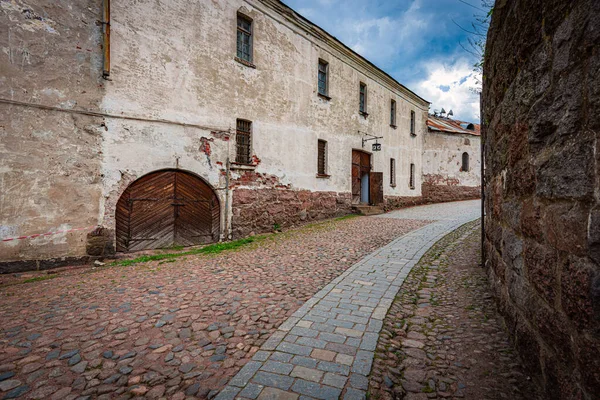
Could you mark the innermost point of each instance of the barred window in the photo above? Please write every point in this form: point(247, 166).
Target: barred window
point(393, 113)
point(363, 98)
point(412, 176)
point(244, 38)
point(323, 77)
point(322, 158)
point(392, 172)
point(242, 141)
point(465, 162)
point(412, 123)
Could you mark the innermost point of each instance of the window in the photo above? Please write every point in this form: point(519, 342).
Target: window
point(412, 176)
point(392, 172)
point(465, 162)
point(242, 141)
point(322, 158)
point(393, 113)
point(412, 123)
point(323, 78)
point(362, 107)
point(244, 38)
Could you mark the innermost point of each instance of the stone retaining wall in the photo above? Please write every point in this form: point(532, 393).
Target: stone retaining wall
point(260, 210)
point(541, 108)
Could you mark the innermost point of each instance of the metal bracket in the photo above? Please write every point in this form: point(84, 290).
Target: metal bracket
point(373, 137)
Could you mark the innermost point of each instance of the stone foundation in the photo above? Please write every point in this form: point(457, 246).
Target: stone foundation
point(541, 109)
point(444, 193)
point(261, 210)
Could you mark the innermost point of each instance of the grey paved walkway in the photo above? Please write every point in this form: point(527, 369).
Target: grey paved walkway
point(325, 349)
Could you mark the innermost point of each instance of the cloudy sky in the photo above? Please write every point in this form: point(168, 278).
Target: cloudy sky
point(415, 41)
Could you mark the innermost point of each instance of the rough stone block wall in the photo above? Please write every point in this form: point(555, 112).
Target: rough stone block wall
point(259, 210)
point(541, 116)
point(442, 193)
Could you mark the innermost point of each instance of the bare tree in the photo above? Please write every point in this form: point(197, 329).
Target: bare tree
point(477, 31)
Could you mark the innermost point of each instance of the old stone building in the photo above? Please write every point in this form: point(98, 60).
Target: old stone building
point(138, 125)
point(541, 124)
point(451, 160)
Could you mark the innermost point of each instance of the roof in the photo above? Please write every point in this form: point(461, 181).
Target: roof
point(320, 33)
point(447, 125)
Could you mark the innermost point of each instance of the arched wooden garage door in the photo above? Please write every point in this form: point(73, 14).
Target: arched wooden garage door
point(167, 208)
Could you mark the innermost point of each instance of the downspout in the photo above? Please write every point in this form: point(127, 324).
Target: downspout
point(106, 39)
point(227, 172)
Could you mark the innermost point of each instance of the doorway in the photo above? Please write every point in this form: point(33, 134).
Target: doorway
point(361, 168)
point(167, 208)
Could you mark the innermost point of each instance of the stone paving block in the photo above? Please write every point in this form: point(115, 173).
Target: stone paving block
point(228, 393)
point(354, 342)
point(359, 327)
point(348, 332)
point(369, 341)
point(359, 381)
point(334, 367)
point(334, 380)
point(304, 324)
point(251, 391)
point(290, 338)
point(243, 377)
point(308, 374)
point(323, 327)
point(269, 393)
point(362, 362)
point(332, 337)
point(288, 324)
point(273, 380)
point(344, 359)
point(375, 325)
point(341, 348)
point(261, 355)
point(294, 349)
point(314, 318)
point(315, 390)
point(339, 323)
point(354, 394)
point(277, 367)
point(325, 355)
point(315, 343)
point(282, 357)
point(306, 332)
point(304, 361)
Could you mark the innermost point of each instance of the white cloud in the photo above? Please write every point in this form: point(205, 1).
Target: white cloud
point(450, 85)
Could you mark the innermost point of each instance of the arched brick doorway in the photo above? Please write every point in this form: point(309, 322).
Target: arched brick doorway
point(167, 208)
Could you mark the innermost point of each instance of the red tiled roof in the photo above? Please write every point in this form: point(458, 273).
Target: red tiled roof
point(447, 125)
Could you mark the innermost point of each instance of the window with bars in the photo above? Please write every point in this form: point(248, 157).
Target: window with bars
point(242, 141)
point(392, 172)
point(412, 176)
point(393, 113)
point(322, 158)
point(244, 38)
point(362, 107)
point(412, 123)
point(323, 78)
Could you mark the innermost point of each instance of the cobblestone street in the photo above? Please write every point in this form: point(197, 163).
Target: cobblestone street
point(442, 337)
point(170, 329)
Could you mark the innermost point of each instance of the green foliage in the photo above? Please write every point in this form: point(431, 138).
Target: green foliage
point(210, 249)
point(40, 278)
point(345, 217)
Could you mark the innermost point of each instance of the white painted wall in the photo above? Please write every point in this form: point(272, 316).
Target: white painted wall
point(442, 158)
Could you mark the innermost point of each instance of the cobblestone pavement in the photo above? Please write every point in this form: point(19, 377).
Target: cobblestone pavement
point(442, 337)
point(325, 350)
point(172, 329)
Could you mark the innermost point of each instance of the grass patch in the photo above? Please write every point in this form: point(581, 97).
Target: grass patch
point(39, 278)
point(210, 249)
point(345, 217)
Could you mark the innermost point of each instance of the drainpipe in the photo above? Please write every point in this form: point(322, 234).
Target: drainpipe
point(227, 166)
point(106, 39)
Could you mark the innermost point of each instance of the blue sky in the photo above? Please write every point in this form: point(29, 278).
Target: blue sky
point(415, 41)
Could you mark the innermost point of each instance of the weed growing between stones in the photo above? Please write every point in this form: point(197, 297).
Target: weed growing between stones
point(39, 278)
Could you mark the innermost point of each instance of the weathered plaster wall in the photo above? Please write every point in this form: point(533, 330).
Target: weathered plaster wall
point(177, 91)
point(49, 162)
point(442, 159)
point(541, 108)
